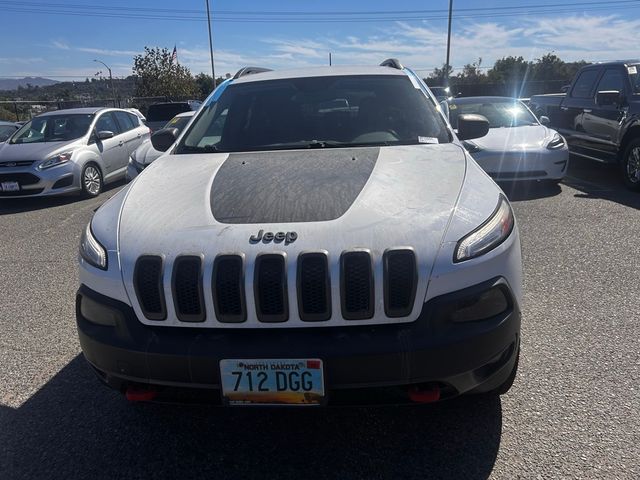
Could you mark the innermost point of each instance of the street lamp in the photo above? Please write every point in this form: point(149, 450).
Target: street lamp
point(113, 91)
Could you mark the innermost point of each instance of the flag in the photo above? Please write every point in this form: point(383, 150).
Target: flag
point(174, 55)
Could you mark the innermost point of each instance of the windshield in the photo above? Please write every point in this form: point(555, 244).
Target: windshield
point(54, 128)
point(178, 122)
point(6, 131)
point(506, 113)
point(316, 112)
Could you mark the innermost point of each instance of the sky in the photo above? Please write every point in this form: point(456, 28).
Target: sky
point(60, 38)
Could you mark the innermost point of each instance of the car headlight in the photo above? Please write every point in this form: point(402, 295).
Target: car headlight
point(91, 250)
point(487, 236)
point(58, 159)
point(470, 146)
point(556, 142)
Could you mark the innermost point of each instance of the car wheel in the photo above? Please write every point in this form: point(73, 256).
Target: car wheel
point(91, 180)
point(631, 165)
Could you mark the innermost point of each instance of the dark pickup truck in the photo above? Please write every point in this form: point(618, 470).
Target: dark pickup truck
point(599, 115)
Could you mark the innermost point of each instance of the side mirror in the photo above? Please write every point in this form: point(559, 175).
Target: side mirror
point(105, 134)
point(163, 139)
point(472, 126)
point(565, 88)
point(544, 120)
point(608, 97)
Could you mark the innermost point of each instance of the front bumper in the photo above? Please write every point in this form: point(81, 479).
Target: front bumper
point(539, 164)
point(58, 180)
point(459, 357)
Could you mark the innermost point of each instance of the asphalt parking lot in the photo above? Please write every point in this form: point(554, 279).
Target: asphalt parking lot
point(573, 412)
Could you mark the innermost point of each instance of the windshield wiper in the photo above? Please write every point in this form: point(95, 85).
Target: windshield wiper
point(325, 144)
point(204, 149)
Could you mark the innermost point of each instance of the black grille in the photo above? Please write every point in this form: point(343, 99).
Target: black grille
point(20, 193)
point(187, 289)
point(400, 281)
point(147, 281)
point(314, 292)
point(270, 288)
point(21, 178)
point(228, 289)
point(356, 284)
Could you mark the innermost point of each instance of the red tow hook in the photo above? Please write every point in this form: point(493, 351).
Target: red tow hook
point(424, 393)
point(137, 394)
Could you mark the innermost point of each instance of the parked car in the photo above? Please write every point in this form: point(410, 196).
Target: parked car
point(441, 93)
point(142, 157)
point(286, 252)
point(7, 129)
point(159, 114)
point(600, 115)
point(518, 146)
point(137, 112)
point(69, 151)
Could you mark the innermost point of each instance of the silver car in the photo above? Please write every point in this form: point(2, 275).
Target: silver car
point(69, 151)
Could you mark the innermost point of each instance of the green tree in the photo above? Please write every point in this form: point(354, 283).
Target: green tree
point(471, 73)
point(437, 77)
point(158, 75)
point(509, 70)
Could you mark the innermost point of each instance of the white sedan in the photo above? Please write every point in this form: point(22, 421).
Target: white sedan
point(518, 146)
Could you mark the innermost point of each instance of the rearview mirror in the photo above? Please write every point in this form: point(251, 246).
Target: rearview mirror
point(544, 120)
point(565, 88)
point(472, 126)
point(105, 134)
point(163, 139)
point(608, 97)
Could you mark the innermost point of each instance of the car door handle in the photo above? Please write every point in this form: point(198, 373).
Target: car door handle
point(121, 143)
point(564, 108)
point(139, 135)
point(586, 110)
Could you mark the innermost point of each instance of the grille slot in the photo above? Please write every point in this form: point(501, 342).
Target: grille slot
point(356, 285)
point(187, 289)
point(400, 282)
point(314, 287)
point(228, 289)
point(270, 288)
point(21, 178)
point(147, 282)
point(20, 163)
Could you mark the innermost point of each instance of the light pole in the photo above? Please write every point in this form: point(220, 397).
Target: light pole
point(446, 66)
point(213, 71)
point(113, 91)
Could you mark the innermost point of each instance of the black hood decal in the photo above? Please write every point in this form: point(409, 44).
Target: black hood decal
point(290, 186)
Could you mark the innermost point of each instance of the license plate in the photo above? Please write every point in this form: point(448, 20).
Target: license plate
point(10, 187)
point(272, 381)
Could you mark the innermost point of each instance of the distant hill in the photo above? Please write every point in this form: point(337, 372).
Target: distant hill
point(14, 83)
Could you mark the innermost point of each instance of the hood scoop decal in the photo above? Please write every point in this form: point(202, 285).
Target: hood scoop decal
point(290, 186)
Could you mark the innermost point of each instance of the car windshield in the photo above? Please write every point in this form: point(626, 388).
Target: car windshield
point(178, 122)
point(166, 111)
point(54, 128)
point(502, 113)
point(6, 131)
point(316, 112)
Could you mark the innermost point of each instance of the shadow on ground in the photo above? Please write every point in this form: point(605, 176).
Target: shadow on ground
point(19, 205)
point(76, 428)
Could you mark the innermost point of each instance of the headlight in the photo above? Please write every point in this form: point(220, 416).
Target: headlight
point(58, 159)
point(470, 146)
point(487, 236)
point(556, 142)
point(91, 250)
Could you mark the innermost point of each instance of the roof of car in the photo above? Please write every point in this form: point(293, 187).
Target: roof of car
point(463, 100)
point(84, 110)
point(614, 63)
point(325, 71)
point(2, 122)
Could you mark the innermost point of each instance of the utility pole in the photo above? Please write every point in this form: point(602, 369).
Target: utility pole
point(113, 90)
point(329, 58)
point(446, 66)
point(213, 71)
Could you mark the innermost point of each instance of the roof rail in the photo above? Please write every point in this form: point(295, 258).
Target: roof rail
point(393, 63)
point(249, 71)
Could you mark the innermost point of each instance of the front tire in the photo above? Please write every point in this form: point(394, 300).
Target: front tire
point(630, 165)
point(91, 180)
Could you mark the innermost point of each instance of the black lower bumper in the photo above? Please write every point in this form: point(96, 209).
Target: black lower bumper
point(458, 356)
